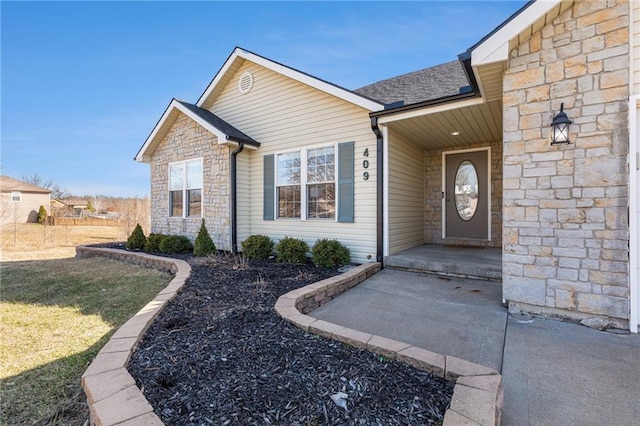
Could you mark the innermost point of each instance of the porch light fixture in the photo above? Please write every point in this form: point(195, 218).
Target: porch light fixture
point(560, 128)
point(455, 133)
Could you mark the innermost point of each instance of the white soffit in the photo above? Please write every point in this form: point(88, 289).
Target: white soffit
point(496, 47)
point(385, 119)
point(323, 86)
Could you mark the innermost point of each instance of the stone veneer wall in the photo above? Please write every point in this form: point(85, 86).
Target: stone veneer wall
point(433, 198)
point(188, 140)
point(565, 248)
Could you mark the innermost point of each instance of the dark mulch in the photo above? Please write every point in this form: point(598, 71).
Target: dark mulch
point(220, 354)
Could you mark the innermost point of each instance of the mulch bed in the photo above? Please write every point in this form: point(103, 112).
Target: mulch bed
point(220, 354)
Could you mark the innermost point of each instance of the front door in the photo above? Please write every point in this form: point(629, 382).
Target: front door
point(466, 194)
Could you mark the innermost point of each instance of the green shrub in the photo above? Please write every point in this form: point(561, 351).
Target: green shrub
point(203, 245)
point(330, 253)
point(257, 246)
point(153, 242)
point(42, 215)
point(175, 244)
point(137, 239)
point(292, 250)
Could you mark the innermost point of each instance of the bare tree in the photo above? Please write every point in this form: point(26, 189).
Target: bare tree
point(97, 203)
point(134, 211)
point(56, 190)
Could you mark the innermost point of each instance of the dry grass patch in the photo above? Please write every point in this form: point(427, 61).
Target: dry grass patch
point(25, 237)
point(55, 315)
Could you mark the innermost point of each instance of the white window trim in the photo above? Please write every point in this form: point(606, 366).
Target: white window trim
point(185, 206)
point(304, 213)
point(16, 194)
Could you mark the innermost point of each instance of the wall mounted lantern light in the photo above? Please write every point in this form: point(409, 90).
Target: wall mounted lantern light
point(560, 128)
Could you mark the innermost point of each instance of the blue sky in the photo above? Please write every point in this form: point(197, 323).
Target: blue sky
point(83, 83)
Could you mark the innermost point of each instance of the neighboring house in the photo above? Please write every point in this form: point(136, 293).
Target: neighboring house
point(20, 201)
point(57, 206)
point(455, 154)
point(72, 206)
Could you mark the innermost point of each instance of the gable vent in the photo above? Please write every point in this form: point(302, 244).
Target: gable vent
point(246, 82)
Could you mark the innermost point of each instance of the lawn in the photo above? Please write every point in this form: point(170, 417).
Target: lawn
point(55, 315)
point(27, 237)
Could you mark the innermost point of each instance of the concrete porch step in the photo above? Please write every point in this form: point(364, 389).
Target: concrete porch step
point(482, 263)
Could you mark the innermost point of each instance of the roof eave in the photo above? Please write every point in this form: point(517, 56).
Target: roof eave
point(319, 84)
point(249, 142)
point(142, 156)
point(223, 139)
point(494, 46)
point(426, 104)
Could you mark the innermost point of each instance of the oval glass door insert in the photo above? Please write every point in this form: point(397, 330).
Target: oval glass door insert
point(466, 190)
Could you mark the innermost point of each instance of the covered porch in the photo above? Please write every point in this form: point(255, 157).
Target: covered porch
point(472, 262)
point(426, 229)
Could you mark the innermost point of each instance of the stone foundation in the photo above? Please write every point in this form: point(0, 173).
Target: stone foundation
point(565, 215)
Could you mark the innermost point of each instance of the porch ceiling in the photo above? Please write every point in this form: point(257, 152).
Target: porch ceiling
point(480, 123)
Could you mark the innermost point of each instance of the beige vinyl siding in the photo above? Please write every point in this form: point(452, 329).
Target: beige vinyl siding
point(243, 194)
point(406, 194)
point(635, 37)
point(224, 81)
point(285, 115)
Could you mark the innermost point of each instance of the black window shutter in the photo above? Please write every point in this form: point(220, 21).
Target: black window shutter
point(345, 182)
point(269, 188)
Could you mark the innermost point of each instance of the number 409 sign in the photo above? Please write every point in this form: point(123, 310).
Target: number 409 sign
point(365, 165)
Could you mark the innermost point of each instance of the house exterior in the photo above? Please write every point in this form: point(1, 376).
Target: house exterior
point(457, 154)
point(20, 201)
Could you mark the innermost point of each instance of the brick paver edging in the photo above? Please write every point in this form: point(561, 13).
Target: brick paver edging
point(112, 394)
point(478, 393)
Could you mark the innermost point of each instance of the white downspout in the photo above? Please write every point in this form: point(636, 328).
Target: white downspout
point(385, 136)
point(634, 290)
point(634, 212)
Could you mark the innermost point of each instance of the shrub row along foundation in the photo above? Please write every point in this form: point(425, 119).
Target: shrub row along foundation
point(478, 393)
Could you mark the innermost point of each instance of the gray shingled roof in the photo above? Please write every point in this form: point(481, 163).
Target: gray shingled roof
point(8, 184)
point(217, 122)
point(418, 86)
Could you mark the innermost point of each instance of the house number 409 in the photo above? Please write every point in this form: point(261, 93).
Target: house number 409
point(365, 165)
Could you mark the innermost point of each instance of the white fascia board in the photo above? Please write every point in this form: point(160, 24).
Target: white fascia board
point(323, 86)
point(140, 157)
point(220, 135)
point(496, 47)
point(230, 143)
point(314, 82)
point(175, 105)
point(429, 110)
point(232, 58)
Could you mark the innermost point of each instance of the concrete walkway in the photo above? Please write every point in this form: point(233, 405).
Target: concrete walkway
point(554, 373)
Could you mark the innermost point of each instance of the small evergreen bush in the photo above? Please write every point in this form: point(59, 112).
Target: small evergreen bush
point(257, 246)
point(292, 250)
point(203, 245)
point(153, 242)
point(136, 240)
point(175, 244)
point(42, 215)
point(330, 253)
